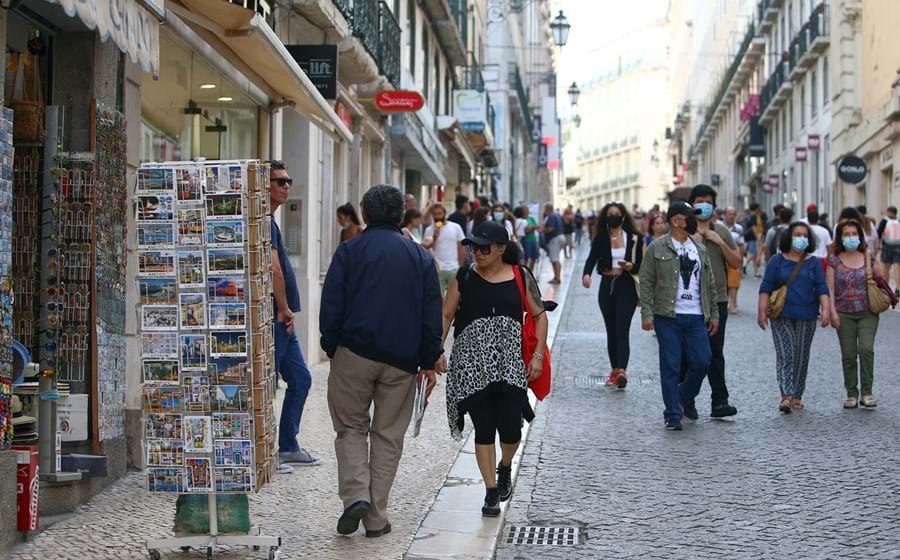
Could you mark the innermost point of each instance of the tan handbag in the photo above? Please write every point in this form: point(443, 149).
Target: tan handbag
point(879, 302)
point(28, 123)
point(779, 296)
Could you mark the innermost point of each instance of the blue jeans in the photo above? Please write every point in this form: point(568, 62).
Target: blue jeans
point(687, 334)
point(290, 364)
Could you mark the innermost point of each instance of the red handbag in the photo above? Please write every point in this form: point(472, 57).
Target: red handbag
point(540, 386)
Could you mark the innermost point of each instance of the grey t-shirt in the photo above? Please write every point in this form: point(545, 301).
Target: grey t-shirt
point(717, 260)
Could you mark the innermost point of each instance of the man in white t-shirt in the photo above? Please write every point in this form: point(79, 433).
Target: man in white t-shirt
point(444, 238)
point(823, 236)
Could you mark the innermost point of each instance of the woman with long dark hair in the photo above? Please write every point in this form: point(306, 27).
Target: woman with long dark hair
point(349, 222)
point(616, 253)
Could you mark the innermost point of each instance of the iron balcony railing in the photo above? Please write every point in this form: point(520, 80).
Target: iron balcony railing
point(345, 7)
point(778, 77)
point(459, 8)
point(373, 23)
point(388, 45)
point(516, 79)
point(472, 76)
point(365, 25)
point(491, 114)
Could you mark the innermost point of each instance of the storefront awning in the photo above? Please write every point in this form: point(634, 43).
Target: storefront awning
point(132, 28)
point(251, 39)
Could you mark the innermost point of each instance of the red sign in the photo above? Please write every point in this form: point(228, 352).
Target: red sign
point(814, 141)
point(800, 153)
point(344, 113)
point(548, 140)
point(27, 486)
point(399, 101)
point(773, 181)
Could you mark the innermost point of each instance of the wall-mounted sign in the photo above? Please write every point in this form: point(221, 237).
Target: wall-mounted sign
point(813, 142)
point(852, 169)
point(800, 153)
point(470, 109)
point(757, 138)
point(320, 64)
point(536, 128)
point(542, 156)
point(773, 181)
point(344, 113)
point(716, 180)
point(400, 101)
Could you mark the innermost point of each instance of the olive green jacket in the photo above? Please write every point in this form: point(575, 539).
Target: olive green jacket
point(659, 281)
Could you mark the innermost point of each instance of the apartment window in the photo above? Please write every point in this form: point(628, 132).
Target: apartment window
point(427, 61)
point(802, 107)
point(790, 26)
point(791, 117)
point(825, 83)
point(411, 27)
point(784, 130)
point(447, 88)
point(813, 98)
point(437, 82)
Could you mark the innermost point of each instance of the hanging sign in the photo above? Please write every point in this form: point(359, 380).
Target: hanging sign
point(852, 169)
point(716, 180)
point(800, 153)
point(399, 101)
point(813, 142)
point(320, 64)
point(773, 181)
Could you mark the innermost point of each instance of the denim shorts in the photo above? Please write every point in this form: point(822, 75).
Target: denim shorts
point(530, 248)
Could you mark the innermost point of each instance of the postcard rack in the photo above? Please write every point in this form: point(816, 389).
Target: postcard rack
point(207, 346)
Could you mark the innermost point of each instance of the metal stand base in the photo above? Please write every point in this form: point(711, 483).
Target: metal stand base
point(254, 539)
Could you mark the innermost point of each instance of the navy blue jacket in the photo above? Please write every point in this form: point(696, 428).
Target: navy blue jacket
point(382, 301)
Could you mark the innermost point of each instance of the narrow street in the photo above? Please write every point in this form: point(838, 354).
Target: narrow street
point(821, 483)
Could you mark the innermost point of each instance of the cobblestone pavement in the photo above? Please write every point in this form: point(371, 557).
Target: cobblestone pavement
point(822, 483)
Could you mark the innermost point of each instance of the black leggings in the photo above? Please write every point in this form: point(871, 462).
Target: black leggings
point(618, 300)
point(498, 412)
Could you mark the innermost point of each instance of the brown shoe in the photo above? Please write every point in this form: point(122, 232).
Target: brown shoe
point(378, 533)
point(621, 379)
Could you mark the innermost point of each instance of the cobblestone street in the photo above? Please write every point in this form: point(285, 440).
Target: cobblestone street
point(821, 483)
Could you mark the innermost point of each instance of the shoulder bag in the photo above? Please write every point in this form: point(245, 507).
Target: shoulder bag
point(540, 386)
point(879, 302)
point(778, 297)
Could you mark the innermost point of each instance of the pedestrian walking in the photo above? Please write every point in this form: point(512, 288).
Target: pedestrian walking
point(776, 231)
point(848, 271)
point(658, 228)
point(460, 215)
point(568, 232)
point(753, 232)
point(498, 214)
point(616, 253)
point(554, 239)
point(802, 294)
point(889, 233)
point(678, 301)
point(870, 230)
point(444, 238)
point(530, 243)
point(579, 227)
point(722, 253)
point(288, 356)
point(411, 226)
point(349, 222)
point(735, 273)
point(378, 351)
point(487, 377)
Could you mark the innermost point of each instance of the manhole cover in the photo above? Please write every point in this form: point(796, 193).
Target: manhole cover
point(554, 536)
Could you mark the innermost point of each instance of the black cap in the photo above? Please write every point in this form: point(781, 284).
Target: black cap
point(681, 207)
point(487, 233)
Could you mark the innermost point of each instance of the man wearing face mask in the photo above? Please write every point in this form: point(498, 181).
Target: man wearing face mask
point(498, 214)
point(723, 252)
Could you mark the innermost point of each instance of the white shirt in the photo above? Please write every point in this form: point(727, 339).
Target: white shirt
point(737, 233)
point(688, 301)
point(445, 247)
point(509, 228)
point(823, 240)
point(618, 254)
point(521, 224)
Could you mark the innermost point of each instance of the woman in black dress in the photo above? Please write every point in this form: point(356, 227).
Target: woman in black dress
point(488, 378)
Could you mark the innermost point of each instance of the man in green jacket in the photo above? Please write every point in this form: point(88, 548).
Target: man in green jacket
point(678, 301)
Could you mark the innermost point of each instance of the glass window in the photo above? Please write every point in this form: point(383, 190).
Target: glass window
point(813, 98)
point(825, 84)
point(802, 106)
point(411, 28)
point(426, 60)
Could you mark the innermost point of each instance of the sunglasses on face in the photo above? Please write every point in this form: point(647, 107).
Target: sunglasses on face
point(484, 249)
point(282, 181)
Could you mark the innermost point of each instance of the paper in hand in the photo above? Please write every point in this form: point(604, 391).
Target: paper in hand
point(419, 404)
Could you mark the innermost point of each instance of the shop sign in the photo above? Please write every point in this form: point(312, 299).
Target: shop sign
point(344, 113)
point(470, 109)
point(536, 128)
point(800, 153)
point(542, 156)
point(813, 142)
point(320, 64)
point(773, 182)
point(757, 138)
point(852, 169)
point(72, 417)
point(716, 180)
point(400, 101)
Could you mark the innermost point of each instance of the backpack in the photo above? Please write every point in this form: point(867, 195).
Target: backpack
point(776, 239)
point(891, 234)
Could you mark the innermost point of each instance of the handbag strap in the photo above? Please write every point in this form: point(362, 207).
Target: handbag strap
point(520, 283)
point(868, 268)
point(796, 271)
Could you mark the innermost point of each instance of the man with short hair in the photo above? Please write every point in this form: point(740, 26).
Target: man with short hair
point(889, 233)
point(554, 238)
point(459, 217)
point(823, 236)
point(530, 244)
point(772, 246)
point(380, 351)
point(444, 238)
point(288, 356)
point(734, 274)
point(411, 202)
point(754, 228)
point(579, 227)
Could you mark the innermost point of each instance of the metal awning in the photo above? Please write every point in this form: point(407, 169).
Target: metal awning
point(251, 39)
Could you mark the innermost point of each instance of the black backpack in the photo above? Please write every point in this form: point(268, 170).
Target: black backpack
point(776, 239)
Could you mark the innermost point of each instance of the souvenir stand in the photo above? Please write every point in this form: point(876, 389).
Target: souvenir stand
point(207, 347)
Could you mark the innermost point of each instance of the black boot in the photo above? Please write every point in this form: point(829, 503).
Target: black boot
point(491, 506)
point(504, 481)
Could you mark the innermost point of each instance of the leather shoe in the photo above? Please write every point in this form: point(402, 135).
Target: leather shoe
point(689, 410)
point(378, 533)
point(349, 521)
point(723, 411)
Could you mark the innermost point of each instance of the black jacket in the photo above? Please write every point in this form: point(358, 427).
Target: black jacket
point(382, 301)
point(601, 253)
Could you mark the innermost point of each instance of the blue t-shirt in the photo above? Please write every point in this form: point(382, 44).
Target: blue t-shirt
point(555, 221)
point(802, 301)
point(290, 281)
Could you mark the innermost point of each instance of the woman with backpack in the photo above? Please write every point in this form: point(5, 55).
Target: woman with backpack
point(487, 377)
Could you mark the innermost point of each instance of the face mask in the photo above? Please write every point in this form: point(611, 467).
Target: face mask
point(345, 226)
point(691, 225)
point(851, 243)
point(800, 243)
point(498, 216)
point(614, 221)
point(706, 210)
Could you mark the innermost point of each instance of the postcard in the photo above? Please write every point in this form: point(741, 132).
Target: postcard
point(229, 371)
point(159, 317)
point(198, 434)
point(223, 206)
point(192, 311)
point(162, 398)
point(165, 479)
point(235, 178)
point(160, 371)
point(156, 235)
point(159, 345)
point(165, 452)
point(227, 343)
point(155, 180)
point(222, 261)
point(157, 291)
point(193, 351)
point(227, 316)
point(212, 178)
point(225, 232)
point(196, 393)
point(155, 207)
point(233, 452)
point(189, 182)
point(230, 425)
point(191, 272)
point(226, 290)
point(156, 263)
point(234, 479)
point(162, 426)
point(190, 227)
point(231, 398)
point(199, 475)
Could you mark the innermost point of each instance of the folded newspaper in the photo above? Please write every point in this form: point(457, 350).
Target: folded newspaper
point(419, 404)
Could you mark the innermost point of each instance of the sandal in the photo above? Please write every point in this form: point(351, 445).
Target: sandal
point(851, 402)
point(797, 404)
point(785, 405)
point(868, 401)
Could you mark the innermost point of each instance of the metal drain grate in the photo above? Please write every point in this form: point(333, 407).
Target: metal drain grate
point(553, 536)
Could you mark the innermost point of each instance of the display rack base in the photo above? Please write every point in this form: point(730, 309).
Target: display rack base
point(254, 539)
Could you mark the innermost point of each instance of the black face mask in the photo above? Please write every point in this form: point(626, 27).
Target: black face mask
point(614, 221)
point(691, 225)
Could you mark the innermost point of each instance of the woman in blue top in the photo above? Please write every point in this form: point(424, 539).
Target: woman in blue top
point(807, 297)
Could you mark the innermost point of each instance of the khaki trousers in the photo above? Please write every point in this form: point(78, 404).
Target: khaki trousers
point(368, 449)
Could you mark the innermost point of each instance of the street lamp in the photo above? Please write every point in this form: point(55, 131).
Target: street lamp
point(574, 92)
point(577, 120)
point(560, 28)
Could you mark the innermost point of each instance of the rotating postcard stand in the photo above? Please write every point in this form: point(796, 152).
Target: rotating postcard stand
point(207, 348)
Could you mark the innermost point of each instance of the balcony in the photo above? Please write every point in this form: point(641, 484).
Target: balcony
point(388, 45)
point(777, 89)
point(768, 14)
point(447, 20)
point(521, 95)
point(819, 30)
point(376, 33)
point(472, 76)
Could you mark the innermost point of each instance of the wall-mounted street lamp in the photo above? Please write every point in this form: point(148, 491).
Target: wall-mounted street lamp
point(577, 120)
point(574, 92)
point(560, 28)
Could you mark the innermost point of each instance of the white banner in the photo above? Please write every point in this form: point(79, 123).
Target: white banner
point(133, 29)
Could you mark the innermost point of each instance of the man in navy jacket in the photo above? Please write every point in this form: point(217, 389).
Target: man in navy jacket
point(380, 323)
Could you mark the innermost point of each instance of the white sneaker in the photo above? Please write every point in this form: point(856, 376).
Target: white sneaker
point(284, 468)
point(300, 457)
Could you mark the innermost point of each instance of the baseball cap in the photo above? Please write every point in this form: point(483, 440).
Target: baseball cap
point(487, 233)
point(681, 207)
point(812, 208)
